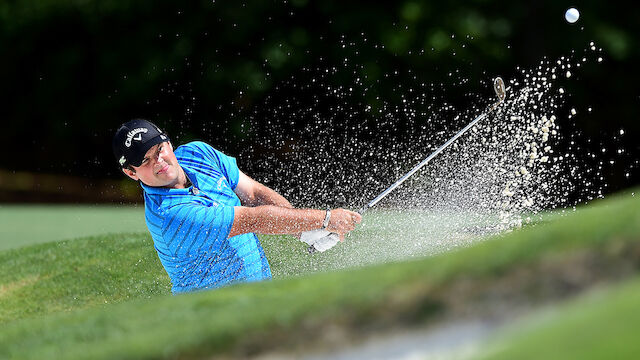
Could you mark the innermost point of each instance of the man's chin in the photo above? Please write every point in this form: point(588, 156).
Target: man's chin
point(161, 181)
point(168, 181)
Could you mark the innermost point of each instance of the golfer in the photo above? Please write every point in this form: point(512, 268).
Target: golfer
point(203, 213)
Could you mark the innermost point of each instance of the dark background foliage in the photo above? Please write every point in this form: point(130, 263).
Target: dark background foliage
point(73, 71)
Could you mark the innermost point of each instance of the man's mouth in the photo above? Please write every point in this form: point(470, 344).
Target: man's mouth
point(164, 169)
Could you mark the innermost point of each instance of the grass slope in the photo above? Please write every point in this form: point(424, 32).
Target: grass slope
point(30, 224)
point(70, 275)
point(73, 274)
point(52, 277)
point(251, 317)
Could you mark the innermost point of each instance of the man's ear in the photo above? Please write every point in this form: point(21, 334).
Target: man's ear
point(130, 173)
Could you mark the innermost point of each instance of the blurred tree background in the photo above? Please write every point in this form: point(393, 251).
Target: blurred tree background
point(72, 71)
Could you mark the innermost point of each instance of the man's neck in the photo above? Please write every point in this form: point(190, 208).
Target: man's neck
point(183, 181)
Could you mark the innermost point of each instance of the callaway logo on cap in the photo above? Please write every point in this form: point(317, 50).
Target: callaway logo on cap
point(131, 135)
point(133, 139)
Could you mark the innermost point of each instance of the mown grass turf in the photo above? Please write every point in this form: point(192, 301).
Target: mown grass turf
point(76, 274)
point(32, 224)
point(601, 325)
point(84, 272)
point(278, 312)
point(63, 276)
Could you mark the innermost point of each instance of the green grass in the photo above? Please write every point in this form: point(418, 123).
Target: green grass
point(74, 274)
point(601, 325)
point(146, 323)
point(31, 224)
point(70, 275)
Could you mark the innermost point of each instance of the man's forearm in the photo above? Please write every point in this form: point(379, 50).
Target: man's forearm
point(273, 219)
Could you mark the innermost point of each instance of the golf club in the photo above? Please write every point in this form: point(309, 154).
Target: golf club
point(498, 86)
point(327, 239)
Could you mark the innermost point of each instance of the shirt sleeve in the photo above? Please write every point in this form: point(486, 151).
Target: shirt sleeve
point(188, 228)
point(227, 163)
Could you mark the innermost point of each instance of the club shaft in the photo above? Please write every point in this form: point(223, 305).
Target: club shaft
point(425, 161)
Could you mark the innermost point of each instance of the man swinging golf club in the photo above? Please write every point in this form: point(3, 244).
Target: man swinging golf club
point(203, 213)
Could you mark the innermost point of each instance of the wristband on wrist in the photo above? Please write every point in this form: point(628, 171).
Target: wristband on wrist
point(327, 217)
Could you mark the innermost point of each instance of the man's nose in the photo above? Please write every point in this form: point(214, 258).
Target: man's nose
point(159, 161)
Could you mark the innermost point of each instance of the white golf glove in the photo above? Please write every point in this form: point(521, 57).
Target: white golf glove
point(319, 240)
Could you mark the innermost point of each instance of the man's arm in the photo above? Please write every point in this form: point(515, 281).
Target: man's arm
point(253, 193)
point(270, 219)
point(267, 212)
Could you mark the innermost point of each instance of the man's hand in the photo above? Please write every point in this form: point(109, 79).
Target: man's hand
point(342, 221)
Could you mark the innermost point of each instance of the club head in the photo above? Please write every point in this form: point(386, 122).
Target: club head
point(498, 86)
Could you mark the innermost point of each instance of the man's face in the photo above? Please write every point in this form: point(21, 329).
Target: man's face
point(159, 167)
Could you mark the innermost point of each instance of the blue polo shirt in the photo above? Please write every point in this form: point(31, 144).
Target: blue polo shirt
point(190, 227)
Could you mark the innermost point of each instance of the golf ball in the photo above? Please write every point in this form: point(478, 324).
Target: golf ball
point(572, 15)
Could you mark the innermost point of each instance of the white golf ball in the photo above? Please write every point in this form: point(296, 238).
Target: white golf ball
point(572, 15)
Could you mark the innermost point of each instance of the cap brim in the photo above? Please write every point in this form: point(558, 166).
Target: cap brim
point(146, 146)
